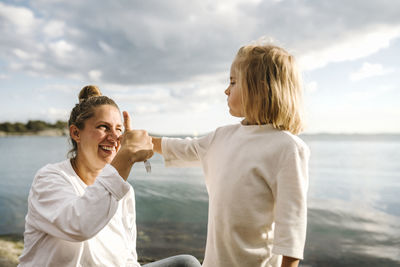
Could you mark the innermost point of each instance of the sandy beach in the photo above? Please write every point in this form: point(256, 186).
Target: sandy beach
point(10, 248)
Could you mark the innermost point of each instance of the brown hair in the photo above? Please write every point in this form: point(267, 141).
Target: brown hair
point(271, 87)
point(90, 97)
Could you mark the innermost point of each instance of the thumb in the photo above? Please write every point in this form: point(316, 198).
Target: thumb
point(127, 121)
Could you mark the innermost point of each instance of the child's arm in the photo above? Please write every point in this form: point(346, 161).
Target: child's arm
point(289, 262)
point(178, 152)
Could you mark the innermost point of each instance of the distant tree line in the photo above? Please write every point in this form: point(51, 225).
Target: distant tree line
point(31, 126)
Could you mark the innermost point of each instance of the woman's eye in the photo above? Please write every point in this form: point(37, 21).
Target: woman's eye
point(102, 127)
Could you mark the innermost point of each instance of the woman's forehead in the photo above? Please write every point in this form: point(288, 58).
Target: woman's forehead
point(107, 113)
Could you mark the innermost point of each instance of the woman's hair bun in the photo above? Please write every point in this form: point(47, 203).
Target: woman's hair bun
point(89, 91)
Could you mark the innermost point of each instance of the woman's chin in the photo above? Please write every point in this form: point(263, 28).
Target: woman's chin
point(106, 160)
point(109, 159)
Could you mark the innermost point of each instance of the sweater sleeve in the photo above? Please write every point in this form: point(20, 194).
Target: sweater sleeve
point(185, 152)
point(291, 204)
point(56, 209)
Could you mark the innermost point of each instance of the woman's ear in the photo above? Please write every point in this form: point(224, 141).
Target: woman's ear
point(74, 133)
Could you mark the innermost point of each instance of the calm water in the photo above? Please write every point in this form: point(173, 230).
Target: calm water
point(354, 200)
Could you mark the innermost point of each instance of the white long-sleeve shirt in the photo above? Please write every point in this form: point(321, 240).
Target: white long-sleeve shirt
point(257, 180)
point(71, 224)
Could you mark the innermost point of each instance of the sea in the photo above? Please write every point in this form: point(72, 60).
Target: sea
point(353, 199)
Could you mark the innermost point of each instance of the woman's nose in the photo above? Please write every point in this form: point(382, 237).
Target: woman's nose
point(113, 135)
point(227, 91)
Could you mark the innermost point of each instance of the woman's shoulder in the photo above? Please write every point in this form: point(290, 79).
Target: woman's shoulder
point(53, 173)
point(54, 167)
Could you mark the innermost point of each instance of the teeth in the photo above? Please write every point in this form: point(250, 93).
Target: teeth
point(109, 148)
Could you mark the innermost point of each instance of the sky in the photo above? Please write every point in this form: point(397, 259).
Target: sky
point(167, 62)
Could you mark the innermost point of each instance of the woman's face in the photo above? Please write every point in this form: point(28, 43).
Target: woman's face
point(234, 94)
point(99, 139)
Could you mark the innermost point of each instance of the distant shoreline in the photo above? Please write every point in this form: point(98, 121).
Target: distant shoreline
point(304, 136)
point(33, 128)
point(350, 137)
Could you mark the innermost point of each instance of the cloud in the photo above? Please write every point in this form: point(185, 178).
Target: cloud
point(106, 47)
point(166, 58)
point(37, 66)
point(153, 42)
point(197, 94)
point(356, 46)
point(54, 29)
point(20, 19)
point(54, 114)
point(21, 54)
point(369, 70)
point(95, 75)
point(61, 48)
point(60, 88)
point(311, 87)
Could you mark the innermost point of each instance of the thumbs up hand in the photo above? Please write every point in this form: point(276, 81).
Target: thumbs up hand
point(136, 146)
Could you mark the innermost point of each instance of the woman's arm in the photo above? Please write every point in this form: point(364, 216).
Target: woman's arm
point(56, 209)
point(289, 262)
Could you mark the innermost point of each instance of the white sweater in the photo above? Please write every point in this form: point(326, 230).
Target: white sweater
point(257, 180)
point(72, 224)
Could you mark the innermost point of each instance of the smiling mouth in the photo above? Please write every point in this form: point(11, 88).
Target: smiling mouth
point(108, 148)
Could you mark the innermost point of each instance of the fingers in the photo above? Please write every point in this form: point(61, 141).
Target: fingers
point(142, 155)
point(127, 121)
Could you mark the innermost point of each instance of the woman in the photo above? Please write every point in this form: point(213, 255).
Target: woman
point(81, 212)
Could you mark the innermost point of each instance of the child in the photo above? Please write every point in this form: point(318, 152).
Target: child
point(256, 172)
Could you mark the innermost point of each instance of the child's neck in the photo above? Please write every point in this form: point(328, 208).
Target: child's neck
point(246, 122)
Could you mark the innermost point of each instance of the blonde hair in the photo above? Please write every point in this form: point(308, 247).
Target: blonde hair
point(271, 87)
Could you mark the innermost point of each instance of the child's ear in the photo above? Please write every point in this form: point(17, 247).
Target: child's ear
point(74, 133)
